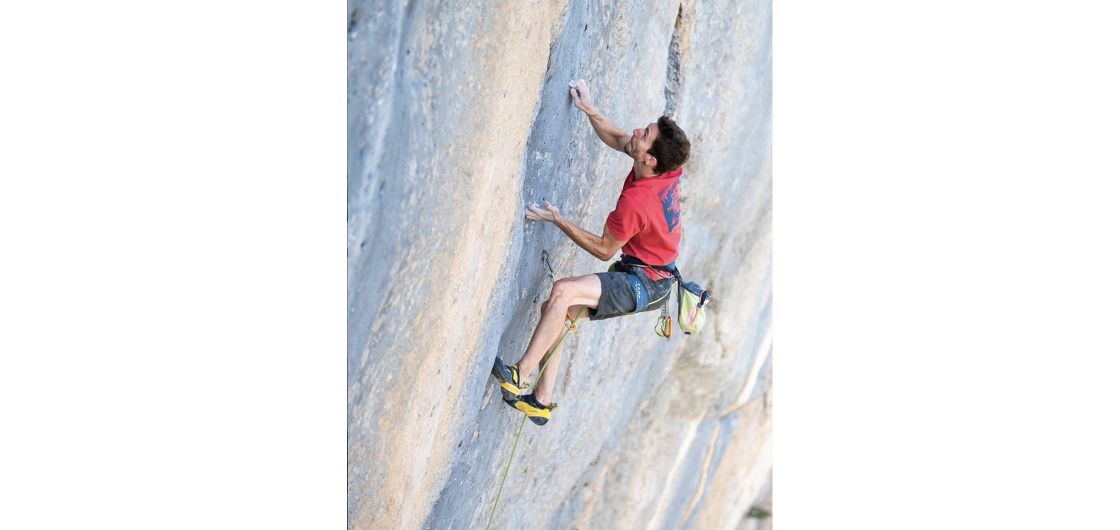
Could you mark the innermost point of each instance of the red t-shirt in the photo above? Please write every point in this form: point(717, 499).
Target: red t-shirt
point(648, 219)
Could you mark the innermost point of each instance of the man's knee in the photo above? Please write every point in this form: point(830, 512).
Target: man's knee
point(568, 292)
point(563, 291)
point(560, 296)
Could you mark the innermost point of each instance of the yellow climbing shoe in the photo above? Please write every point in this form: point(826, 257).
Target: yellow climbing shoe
point(509, 377)
point(537, 412)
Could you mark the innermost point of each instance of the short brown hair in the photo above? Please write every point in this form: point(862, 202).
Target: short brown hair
point(671, 146)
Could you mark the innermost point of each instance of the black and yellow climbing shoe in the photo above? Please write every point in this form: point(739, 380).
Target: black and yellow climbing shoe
point(510, 379)
point(537, 412)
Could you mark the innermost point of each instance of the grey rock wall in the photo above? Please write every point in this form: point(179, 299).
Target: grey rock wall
point(459, 115)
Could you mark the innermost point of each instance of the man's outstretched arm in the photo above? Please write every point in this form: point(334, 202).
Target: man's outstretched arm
point(603, 247)
point(608, 132)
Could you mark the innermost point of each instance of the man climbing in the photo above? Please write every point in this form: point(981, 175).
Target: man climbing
point(645, 224)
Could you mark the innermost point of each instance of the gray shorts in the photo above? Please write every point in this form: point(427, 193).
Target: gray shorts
point(621, 291)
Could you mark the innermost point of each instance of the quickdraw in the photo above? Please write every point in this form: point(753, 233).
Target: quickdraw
point(664, 327)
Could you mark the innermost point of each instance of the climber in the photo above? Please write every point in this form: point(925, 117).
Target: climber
point(645, 224)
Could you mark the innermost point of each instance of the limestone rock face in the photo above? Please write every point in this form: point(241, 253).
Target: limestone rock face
point(458, 117)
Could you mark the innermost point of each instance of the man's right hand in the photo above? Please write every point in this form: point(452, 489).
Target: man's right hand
point(581, 95)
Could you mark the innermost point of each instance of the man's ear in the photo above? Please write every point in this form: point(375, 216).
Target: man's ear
point(650, 161)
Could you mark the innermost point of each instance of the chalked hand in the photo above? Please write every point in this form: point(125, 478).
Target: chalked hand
point(549, 213)
point(581, 94)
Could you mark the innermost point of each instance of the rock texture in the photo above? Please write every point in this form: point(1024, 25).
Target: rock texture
point(459, 116)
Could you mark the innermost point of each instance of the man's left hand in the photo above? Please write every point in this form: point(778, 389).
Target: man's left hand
point(548, 213)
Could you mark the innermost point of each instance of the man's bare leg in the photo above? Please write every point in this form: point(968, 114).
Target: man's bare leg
point(546, 381)
point(578, 291)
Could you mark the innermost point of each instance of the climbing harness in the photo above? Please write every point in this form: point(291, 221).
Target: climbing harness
point(569, 325)
point(691, 301)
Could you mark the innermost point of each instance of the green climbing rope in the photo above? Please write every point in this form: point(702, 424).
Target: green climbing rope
point(547, 359)
point(504, 475)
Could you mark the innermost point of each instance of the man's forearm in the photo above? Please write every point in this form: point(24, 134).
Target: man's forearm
point(586, 240)
point(608, 132)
